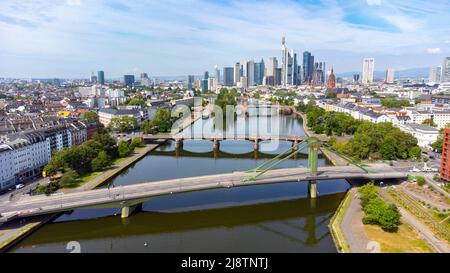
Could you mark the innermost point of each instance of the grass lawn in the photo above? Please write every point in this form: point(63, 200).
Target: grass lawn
point(405, 240)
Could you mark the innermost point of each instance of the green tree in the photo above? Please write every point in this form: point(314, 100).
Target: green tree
point(429, 122)
point(388, 148)
point(161, 122)
point(101, 162)
point(367, 192)
point(90, 116)
point(415, 152)
point(136, 142)
point(123, 124)
point(69, 179)
point(124, 149)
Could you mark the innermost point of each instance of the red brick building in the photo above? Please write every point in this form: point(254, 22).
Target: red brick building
point(445, 160)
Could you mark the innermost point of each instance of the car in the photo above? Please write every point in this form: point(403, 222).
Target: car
point(19, 186)
point(415, 170)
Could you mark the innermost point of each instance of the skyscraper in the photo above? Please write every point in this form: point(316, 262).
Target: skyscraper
point(228, 76)
point(191, 80)
point(250, 73)
point(217, 74)
point(93, 78)
point(128, 80)
point(435, 74)
point(446, 70)
point(287, 63)
point(237, 73)
point(308, 66)
point(390, 73)
point(101, 77)
point(259, 72)
point(368, 69)
point(277, 77)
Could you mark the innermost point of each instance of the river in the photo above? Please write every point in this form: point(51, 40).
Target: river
point(264, 218)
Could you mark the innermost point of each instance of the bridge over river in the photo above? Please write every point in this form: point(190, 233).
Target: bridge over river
point(131, 196)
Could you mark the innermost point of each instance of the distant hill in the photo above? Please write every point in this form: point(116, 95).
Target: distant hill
point(407, 73)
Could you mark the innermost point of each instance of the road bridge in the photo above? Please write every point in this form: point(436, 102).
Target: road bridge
point(130, 197)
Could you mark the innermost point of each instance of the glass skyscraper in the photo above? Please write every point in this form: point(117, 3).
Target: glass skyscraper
point(101, 77)
point(259, 72)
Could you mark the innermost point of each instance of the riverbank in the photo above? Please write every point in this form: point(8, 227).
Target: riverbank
point(16, 230)
point(13, 232)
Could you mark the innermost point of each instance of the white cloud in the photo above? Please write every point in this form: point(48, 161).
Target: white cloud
point(434, 50)
point(73, 2)
point(373, 2)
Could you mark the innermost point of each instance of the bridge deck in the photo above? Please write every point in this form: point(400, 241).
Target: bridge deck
point(125, 195)
point(222, 136)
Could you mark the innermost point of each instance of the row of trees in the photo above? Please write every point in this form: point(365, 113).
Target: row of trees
point(369, 141)
point(226, 97)
point(377, 211)
point(393, 103)
point(162, 122)
point(94, 155)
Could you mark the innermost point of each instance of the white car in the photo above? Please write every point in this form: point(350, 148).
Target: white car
point(19, 186)
point(415, 170)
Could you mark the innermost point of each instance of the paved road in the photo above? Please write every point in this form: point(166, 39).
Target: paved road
point(38, 205)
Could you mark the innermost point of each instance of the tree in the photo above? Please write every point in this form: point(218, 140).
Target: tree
point(429, 122)
point(388, 148)
point(367, 192)
point(437, 145)
point(124, 149)
point(90, 116)
point(161, 122)
point(101, 161)
point(420, 180)
point(123, 124)
point(136, 142)
point(415, 152)
point(69, 179)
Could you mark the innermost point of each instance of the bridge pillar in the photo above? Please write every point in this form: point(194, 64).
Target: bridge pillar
point(294, 145)
point(128, 210)
point(256, 145)
point(312, 188)
point(216, 144)
point(179, 143)
point(313, 157)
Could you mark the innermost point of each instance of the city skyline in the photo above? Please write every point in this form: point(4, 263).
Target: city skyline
point(72, 37)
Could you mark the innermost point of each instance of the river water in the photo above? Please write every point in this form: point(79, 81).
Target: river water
point(263, 218)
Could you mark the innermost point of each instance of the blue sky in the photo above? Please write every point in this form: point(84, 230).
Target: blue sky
point(70, 38)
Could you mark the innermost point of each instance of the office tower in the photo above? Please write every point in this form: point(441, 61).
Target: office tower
point(217, 74)
point(367, 71)
point(286, 64)
point(278, 77)
point(206, 75)
point(390, 73)
point(356, 78)
point(212, 84)
point(244, 82)
point(228, 77)
point(93, 78)
point(128, 80)
point(250, 73)
point(144, 76)
point(446, 70)
point(308, 66)
point(101, 77)
point(293, 69)
point(299, 75)
point(435, 74)
point(259, 72)
point(331, 81)
point(205, 85)
point(191, 80)
point(325, 76)
point(237, 73)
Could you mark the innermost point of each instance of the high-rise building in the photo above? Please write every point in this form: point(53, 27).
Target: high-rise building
point(250, 73)
point(93, 78)
point(205, 85)
point(445, 160)
point(367, 71)
point(259, 72)
point(356, 78)
point(206, 75)
point(271, 71)
point(278, 77)
point(190, 82)
point(128, 80)
point(244, 82)
point(390, 74)
point(237, 73)
point(228, 76)
point(287, 64)
point(446, 70)
point(217, 74)
point(101, 77)
point(435, 74)
point(308, 66)
point(293, 69)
